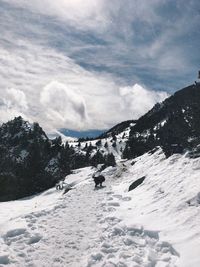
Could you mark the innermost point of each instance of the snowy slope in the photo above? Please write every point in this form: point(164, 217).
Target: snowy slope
point(121, 139)
point(65, 138)
point(167, 203)
point(156, 224)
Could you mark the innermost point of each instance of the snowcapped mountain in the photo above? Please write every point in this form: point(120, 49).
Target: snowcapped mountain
point(172, 124)
point(29, 161)
point(118, 129)
point(110, 143)
point(156, 224)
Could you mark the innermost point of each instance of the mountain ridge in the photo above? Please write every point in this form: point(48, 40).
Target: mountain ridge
point(174, 122)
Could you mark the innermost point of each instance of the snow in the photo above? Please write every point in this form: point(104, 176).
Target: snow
point(156, 224)
point(121, 140)
point(167, 202)
point(55, 133)
point(160, 124)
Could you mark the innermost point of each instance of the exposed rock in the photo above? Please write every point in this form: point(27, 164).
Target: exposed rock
point(136, 183)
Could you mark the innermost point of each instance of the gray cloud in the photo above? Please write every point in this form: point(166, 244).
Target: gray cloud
point(153, 42)
point(80, 14)
point(76, 62)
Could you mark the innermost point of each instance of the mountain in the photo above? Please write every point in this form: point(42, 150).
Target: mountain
point(173, 125)
point(97, 134)
point(106, 148)
point(29, 161)
point(117, 129)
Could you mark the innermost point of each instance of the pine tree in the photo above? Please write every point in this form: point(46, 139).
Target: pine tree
point(86, 146)
point(110, 160)
point(98, 143)
point(114, 138)
point(106, 145)
point(97, 159)
point(114, 144)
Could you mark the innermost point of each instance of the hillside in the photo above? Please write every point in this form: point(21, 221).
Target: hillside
point(156, 224)
point(111, 143)
point(29, 161)
point(117, 129)
point(172, 124)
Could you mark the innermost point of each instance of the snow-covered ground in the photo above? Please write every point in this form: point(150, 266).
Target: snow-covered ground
point(107, 145)
point(156, 224)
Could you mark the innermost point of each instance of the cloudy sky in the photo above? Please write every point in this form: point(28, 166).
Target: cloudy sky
point(88, 64)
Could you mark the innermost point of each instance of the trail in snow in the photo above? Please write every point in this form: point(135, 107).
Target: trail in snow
point(81, 230)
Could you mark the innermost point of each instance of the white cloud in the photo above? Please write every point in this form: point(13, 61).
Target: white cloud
point(79, 13)
point(13, 103)
point(62, 106)
point(15, 99)
point(49, 87)
point(137, 100)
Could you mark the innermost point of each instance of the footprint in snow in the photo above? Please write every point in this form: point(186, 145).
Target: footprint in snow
point(126, 199)
point(114, 204)
point(118, 196)
point(35, 238)
point(133, 246)
point(109, 192)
